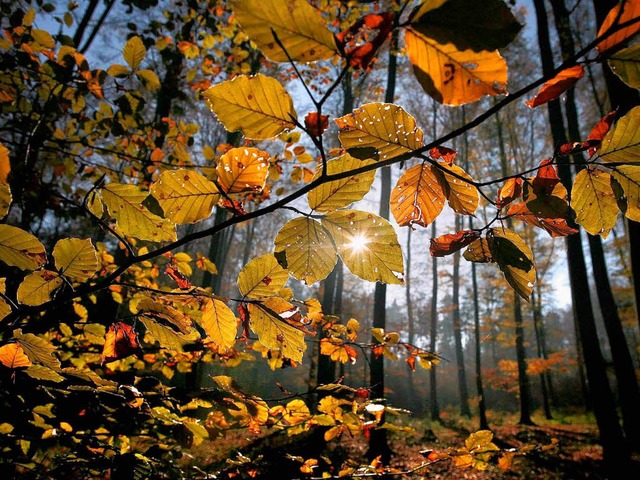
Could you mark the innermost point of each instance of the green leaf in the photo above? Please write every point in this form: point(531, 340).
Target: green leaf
point(622, 143)
point(37, 349)
point(258, 106)
point(132, 218)
point(134, 52)
point(75, 258)
point(38, 287)
point(262, 277)
point(514, 258)
point(309, 251)
point(626, 65)
point(368, 245)
point(593, 201)
point(219, 323)
point(268, 322)
point(185, 196)
point(384, 126)
point(298, 26)
point(20, 249)
point(468, 24)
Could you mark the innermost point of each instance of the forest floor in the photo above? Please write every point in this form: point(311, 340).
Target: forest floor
point(565, 448)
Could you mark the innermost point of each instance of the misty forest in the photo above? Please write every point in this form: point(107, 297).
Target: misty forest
point(309, 239)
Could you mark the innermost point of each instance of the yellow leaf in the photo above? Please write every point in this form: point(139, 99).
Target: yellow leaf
point(515, 259)
point(118, 71)
point(5, 309)
point(418, 196)
point(622, 143)
point(185, 195)
point(626, 65)
point(20, 249)
point(593, 201)
point(462, 196)
point(309, 253)
point(29, 17)
point(368, 245)
point(296, 412)
point(132, 218)
point(243, 170)
point(37, 349)
point(12, 356)
point(37, 288)
point(628, 176)
point(455, 77)
point(75, 258)
point(43, 37)
point(5, 163)
point(167, 337)
point(478, 251)
point(268, 322)
point(258, 106)
point(262, 277)
point(384, 128)
point(298, 26)
point(341, 193)
point(5, 199)
point(149, 79)
point(170, 316)
point(134, 52)
point(220, 323)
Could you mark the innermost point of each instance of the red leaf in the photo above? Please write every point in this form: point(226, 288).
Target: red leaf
point(555, 87)
point(182, 281)
point(511, 190)
point(445, 153)
point(452, 242)
point(412, 363)
point(546, 179)
point(120, 341)
point(377, 350)
point(243, 313)
point(316, 124)
point(351, 40)
point(600, 130)
point(572, 148)
point(362, 393)
point(556, 227)
point(233, 206)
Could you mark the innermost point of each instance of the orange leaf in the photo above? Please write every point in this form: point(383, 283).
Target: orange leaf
point(179, 278)
point(556, 227)
point(12, 356)
point(355, 43)
point(120, 341)
point(452, 242)
point(600, 130)
point(630, 11)
point(555, 87)
point(546, 179)
point(411, 361)
point(316, 124)
point(511, 190)
point(445, 153)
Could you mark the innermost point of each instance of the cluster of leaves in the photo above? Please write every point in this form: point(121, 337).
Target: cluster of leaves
point(71, 123)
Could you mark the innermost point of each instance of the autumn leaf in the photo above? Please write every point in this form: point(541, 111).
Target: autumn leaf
point(360, 53)
point(628, 177)
point(37, 349)
point(12, 356)
point(630, 11)
point(546, 178)
point(461, 195)
point(341, 193)
point(626, 65)
point(5, 199)
point(316, 124)
point(452, 242)
point(367, 244)
point(452, 76)
point(622, 143)
point(164, 315)
point(511, 190)
point(418, 197)
point(298, 26)
point(600, 130)
point(555, 87)
point(308, 249)
point(121, 340)
point(185, 196)
point(448, 155)
point(387, 129)
point(134, 52)
point(243, 170)
point(262, 277)
point(5, 163)
point(556, 227)
point(594, 202)
point(514, 258)
point(20, 249)
point(258, 106)
point(219, 323)
point(175, 274)
point(335, 349)
point(75, 258)
point(478, 251)
point(38, 287)
point(133, 219)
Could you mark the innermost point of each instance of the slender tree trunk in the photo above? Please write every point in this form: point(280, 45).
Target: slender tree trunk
point(616, 452)
point(542, 353)
point(433, 334)
point(413, 402)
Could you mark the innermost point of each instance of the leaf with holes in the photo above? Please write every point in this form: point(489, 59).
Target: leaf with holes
point(219, 323)
point(341, 193)
point(384, 128)
point(268, 321)
point(418, 197)
point(593, 201)
point(20, 249)
point(121, 340)
point(243, 170)
point(622, 143)
point(298, 26)
point(367, 244)
point(185, 196)
point(38, 287)
point(262, 277)
point(257, 106)
point(451, 76)
point(630, 11)
point(514, 258)
point(308, 250)
point(75, 258)
point(478, 251)
point(133, 219)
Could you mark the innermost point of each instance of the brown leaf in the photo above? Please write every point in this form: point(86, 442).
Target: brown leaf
point(511, 190)
point(182, 281)
point(120, 341)
point(452, 242)
point(316, 124)
point(546, 179)
point(555, 87)
point(445, 153)
point(556, 227)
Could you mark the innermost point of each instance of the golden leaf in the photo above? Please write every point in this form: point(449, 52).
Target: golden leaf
point(593, 201)
point(418, 196)
point(37, 287)
point(243, 170)
point(622, 143)
point(262, 277)
point(75, 258)
point(220, 323)
point(12, 356)
point(134, 52)
point(20, 249)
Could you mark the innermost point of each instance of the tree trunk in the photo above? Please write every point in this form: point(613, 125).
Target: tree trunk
point(545, 379)
point(413, 402)
point(616, 453)
point(433, 334)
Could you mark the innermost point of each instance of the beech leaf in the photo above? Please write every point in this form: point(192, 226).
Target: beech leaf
point(262, 277)
point(75, 258)
point(418, 197)
point(243, 170)
point(268, 321)
point(555, 87)
point(20, 249)
point(593, 201)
